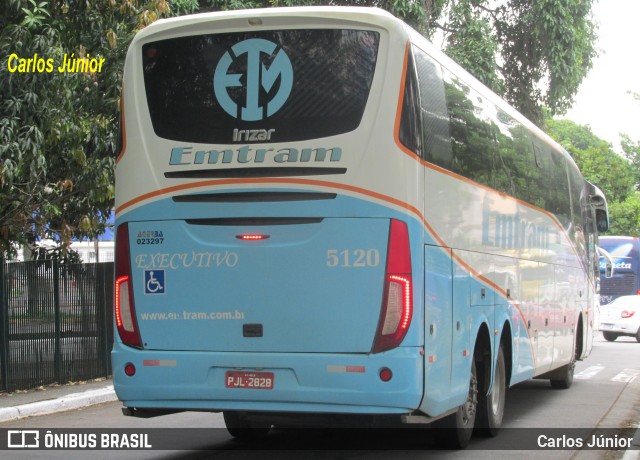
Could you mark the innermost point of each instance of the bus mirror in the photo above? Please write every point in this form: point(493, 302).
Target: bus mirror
point(608, 262)
point(602, 220)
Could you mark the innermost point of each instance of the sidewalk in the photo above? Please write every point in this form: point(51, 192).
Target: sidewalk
point(50, 399)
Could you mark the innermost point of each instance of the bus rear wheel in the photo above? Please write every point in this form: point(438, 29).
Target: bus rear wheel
point(491, 405)
point(456, 429)
point(565, 379)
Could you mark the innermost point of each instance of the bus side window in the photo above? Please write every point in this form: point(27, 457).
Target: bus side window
point(580, 208)
point(433, 110)
point(556, 183)
point(515, 165)
point(472, 137)
point(409, 132)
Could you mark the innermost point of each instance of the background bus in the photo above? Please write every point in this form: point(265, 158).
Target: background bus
point(320, 213)
point(625, 281)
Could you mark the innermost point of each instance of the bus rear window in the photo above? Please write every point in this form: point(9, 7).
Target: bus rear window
point(269, 86)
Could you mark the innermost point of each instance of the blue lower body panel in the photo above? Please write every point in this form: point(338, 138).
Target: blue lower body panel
point(302, 382)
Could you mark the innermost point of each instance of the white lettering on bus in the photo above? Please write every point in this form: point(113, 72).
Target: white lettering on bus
point(512, 231)
point(252, 134)
point(617, 265)
point(245, 154)
point(180, 260)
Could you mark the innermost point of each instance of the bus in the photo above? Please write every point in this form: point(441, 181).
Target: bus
point(319, 216)
point(626, 262)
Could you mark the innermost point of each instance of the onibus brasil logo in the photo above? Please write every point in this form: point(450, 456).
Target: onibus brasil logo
point(258, 76)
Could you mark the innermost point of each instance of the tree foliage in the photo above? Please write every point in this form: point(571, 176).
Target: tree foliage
point(625, 216)
point(59, 130)
point(631, 151)
point(534, 54)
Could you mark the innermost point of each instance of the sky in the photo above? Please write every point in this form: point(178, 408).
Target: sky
point(602, 101)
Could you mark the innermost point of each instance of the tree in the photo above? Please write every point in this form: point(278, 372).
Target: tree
point(625, 216)
point(631, 151)
point(533, 53)
point(59, 130)
point(595, 157)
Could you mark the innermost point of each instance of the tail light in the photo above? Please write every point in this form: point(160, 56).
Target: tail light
point(397, 302)
point(627, 313)
point(124, 308)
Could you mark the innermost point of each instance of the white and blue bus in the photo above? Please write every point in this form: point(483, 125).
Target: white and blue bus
point(320, 213)
point(625, 252)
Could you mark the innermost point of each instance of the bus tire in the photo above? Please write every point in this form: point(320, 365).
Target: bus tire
point(241, 427)
point(455, 430)
point(609, 336)
point(565, 380)
point(491, 406)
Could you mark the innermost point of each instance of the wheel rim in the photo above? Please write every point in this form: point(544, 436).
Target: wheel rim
point(497, 393)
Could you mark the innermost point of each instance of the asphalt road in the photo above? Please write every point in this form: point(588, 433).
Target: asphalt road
point(605, 394)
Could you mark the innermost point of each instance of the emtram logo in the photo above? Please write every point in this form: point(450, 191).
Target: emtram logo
point(259, 79)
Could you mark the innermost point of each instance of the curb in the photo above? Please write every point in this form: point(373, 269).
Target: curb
point(64, 403)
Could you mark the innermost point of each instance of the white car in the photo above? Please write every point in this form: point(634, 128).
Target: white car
point(621, 317)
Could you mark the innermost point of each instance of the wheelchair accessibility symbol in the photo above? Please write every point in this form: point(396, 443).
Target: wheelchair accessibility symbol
point(154, 282)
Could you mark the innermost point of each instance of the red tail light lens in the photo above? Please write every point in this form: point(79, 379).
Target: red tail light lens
point(627, 313)
point(252, 237)
point(125, 312)
point(130, 369)
point(397, 304)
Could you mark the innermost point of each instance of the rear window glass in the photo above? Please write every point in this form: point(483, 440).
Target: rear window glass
point(270, 86)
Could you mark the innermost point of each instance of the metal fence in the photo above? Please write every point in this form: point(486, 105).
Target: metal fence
point(55, 323)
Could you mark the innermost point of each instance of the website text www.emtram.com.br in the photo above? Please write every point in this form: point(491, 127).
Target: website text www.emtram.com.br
point(193, 316)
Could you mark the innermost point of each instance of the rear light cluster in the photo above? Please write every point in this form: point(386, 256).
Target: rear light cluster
point(252, 237)
point(627, 313)
point(125, 311)
point(397, 304)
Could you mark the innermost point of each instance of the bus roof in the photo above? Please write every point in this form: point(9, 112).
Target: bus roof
point(280, 15)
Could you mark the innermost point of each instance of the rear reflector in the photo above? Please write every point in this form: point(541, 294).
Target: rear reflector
point(397, 302)
point(125, 312)
point(385, 374)
point(130, 369)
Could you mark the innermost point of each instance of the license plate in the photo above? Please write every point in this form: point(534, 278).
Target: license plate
point(249, 380)
point(606, 326)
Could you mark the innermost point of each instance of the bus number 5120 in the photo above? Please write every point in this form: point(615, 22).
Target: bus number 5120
point(353, 258)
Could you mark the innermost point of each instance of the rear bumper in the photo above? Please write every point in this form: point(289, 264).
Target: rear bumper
point(303, 382)
point(618, 327)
